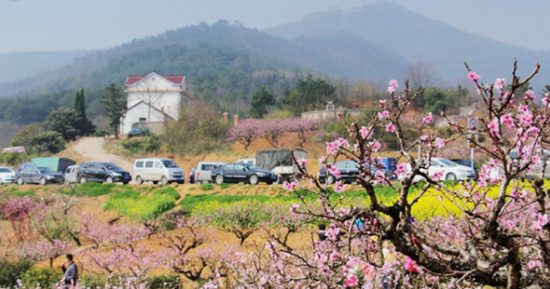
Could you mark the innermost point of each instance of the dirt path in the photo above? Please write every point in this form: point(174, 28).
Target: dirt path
point(91, 149)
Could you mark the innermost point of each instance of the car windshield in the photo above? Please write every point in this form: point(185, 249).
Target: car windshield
point(44, 170)
point(251, 167)
point(170, 164)
point(111, 166)
point(5, 170)
point(447, 162)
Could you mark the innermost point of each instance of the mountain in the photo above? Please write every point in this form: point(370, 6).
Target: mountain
point(18, 66)
point(417, 38)
point(336, 55)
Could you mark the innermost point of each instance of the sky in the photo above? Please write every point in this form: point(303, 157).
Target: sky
point(38, 25)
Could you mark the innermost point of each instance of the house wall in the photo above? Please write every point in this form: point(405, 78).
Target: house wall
point(327, 114)
point(162, 94)
point(139, 111)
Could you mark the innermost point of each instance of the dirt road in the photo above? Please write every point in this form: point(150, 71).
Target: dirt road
point(91, 149)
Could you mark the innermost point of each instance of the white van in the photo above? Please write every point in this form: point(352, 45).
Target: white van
point(203, 173)
point(158, 170)
point(71, 174)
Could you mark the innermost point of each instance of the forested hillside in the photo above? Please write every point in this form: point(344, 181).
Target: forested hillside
point(224, 76)
point(337, 55)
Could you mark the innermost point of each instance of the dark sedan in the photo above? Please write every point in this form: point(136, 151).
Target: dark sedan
point(349, 173)
point(236, 173)
point(38, 175)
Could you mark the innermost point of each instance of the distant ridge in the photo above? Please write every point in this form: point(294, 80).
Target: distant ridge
point(417, 38)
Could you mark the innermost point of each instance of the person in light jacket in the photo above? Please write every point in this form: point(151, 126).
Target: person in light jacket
point(70, 271)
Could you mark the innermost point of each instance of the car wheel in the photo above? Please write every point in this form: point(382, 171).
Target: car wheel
point(253, 180)
point(43, 181)
point(450, 177)
point(155, 182)
point(219, 179)
point(20, 181)
point(139, 180)
point(82, 180)
point(269, 183)
point(109, 180)
point(330, 179)
point(164, 180)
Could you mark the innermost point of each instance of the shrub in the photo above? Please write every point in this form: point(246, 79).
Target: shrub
point(92, 189)
point(90, 280)
point(10, 272)
point(46, 277)
point(103, 132)
point(164, 281)
point(207, 187)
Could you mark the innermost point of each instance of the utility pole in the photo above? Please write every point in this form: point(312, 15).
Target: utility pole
point(472, 138)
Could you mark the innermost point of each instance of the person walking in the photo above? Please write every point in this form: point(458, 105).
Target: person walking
point(70, 271)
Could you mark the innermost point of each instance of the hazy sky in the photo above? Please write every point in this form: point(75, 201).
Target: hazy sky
point(47, 25)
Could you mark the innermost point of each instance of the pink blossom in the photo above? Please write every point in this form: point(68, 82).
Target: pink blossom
point(322, 159)
point(507, 120)
point(393, 83)
point(375, 145)
point(493, 127)
point(424, 137)
point(294, 207)
point(500, 83)
point(351, 281)
point(390, 127)
point(335, 172)
point(364, 132)
point(383, 115)
point(382, 101)
point(290, 186)
point(523, 108)
point(402, 169)
point(438, 175)
point(339, 187)
point(473, 76)
point(439, 143)
point(302, 162)
point(530, 95)
point(525, 119)
point(391, 89)
point(428, 118)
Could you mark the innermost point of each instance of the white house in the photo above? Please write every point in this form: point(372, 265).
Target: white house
point(152, 100)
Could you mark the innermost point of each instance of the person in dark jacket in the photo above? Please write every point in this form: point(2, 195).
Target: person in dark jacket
point(322, 235)
point(70, 271)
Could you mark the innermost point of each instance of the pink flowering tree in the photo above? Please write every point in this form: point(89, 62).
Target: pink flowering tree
point(496, 233)
point(304, 129)
point(272, 130)
point(245, 132)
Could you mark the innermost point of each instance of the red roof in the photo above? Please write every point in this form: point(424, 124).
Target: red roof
point(175, 79)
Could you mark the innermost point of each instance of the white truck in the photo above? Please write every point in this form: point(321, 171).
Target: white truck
point(280, 162)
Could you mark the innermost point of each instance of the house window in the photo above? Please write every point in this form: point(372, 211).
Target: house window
point(142, 119)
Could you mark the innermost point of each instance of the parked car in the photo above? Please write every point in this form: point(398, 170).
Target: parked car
point(158, 170)
point(191, 176)
point(203, 172)
point(102, 172)
point(536, 172)
point(247, 161)
point(451, 170)
point(7, 175)
point(18, 149)
point(71, 174)
point(138, 132)
point(238, 172)
point(38, 175)
point(349, 172)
